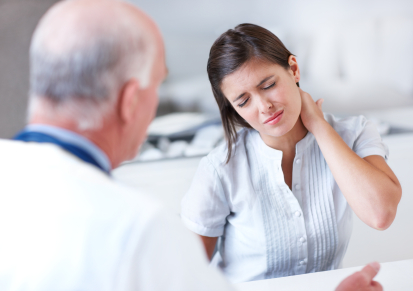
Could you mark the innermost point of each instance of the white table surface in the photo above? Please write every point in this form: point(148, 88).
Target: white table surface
point(394, 276)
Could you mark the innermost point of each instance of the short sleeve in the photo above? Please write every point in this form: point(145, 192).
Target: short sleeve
point(205, 206)
point(369, 141)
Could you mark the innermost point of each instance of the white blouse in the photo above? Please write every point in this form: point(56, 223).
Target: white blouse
point(265, 229)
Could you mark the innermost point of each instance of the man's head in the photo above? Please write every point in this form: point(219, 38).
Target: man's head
point(95, 69)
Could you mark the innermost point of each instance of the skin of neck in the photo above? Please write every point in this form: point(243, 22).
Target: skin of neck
point(107, 137)
point(287, 142)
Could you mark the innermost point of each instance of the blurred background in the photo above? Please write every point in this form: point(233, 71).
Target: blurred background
point(356, 54)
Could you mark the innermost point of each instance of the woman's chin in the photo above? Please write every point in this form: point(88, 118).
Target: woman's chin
point(279, 130)
point(276, 132)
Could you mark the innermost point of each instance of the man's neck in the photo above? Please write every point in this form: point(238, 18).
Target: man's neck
point(95, 136)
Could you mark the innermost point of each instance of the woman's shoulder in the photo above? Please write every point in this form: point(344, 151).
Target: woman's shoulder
point(360, 134)
point(347, 125)
point(218, 156)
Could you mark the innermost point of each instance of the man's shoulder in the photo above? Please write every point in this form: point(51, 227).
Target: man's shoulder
point(53, 170)
point(9, 144)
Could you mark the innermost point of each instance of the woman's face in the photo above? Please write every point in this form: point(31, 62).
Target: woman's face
point(265, 95)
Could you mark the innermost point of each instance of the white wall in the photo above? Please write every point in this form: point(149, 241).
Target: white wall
point(18, 19)
point(190, 27)
point(354, 54)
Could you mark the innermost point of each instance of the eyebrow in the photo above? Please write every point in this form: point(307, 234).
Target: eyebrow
point(263, 81)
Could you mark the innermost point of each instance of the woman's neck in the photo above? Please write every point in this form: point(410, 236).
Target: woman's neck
point(287, 142)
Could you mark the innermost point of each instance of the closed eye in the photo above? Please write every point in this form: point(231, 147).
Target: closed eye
point(243, 103)
point(270, 86)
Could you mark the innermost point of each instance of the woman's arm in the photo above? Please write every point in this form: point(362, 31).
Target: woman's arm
point(209, 244)
point(369, 185)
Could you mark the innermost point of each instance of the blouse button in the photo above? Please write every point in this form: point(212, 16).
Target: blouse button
point(302, 263)
point(297, 213)
point(297, 161)
point(302, 240)
point(297, 187)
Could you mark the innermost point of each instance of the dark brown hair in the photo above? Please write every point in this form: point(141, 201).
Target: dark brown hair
point(229, 52)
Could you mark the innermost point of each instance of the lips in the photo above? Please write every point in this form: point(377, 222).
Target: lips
point(274, 118)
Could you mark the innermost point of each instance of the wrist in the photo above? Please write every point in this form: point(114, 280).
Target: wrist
point(318, 126)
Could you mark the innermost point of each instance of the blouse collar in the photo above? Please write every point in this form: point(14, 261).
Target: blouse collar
point(275, 154)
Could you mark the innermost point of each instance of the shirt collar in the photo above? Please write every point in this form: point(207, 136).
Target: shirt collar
point(272, 153)
point(75, 139)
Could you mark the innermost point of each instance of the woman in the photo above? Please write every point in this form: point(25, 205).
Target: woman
point(280, 194)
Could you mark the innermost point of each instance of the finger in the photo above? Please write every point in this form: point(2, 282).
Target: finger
point(370, 271)
point(320, 103)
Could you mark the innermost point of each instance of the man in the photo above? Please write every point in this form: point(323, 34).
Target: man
point(65, 224)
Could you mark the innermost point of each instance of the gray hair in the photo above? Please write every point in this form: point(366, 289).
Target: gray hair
point(81, 80)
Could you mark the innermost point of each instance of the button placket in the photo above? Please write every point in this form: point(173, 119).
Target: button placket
point(301, 233)
point(296, 179)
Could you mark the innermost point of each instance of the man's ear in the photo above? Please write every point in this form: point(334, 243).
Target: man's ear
point(128, 101)
point(294, 69)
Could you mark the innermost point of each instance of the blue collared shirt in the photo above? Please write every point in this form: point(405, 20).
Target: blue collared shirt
point(75, 139)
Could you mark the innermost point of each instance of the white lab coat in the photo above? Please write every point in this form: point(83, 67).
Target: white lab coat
point(65, 225)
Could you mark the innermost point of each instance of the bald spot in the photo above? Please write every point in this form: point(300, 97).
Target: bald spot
point(76, 23)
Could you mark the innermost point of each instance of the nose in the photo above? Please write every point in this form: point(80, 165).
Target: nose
point(264, 105)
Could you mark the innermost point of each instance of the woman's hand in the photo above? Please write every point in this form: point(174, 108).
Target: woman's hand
point(311, 112)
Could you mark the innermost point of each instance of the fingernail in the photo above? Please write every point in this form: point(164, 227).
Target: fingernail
point(375, 266)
